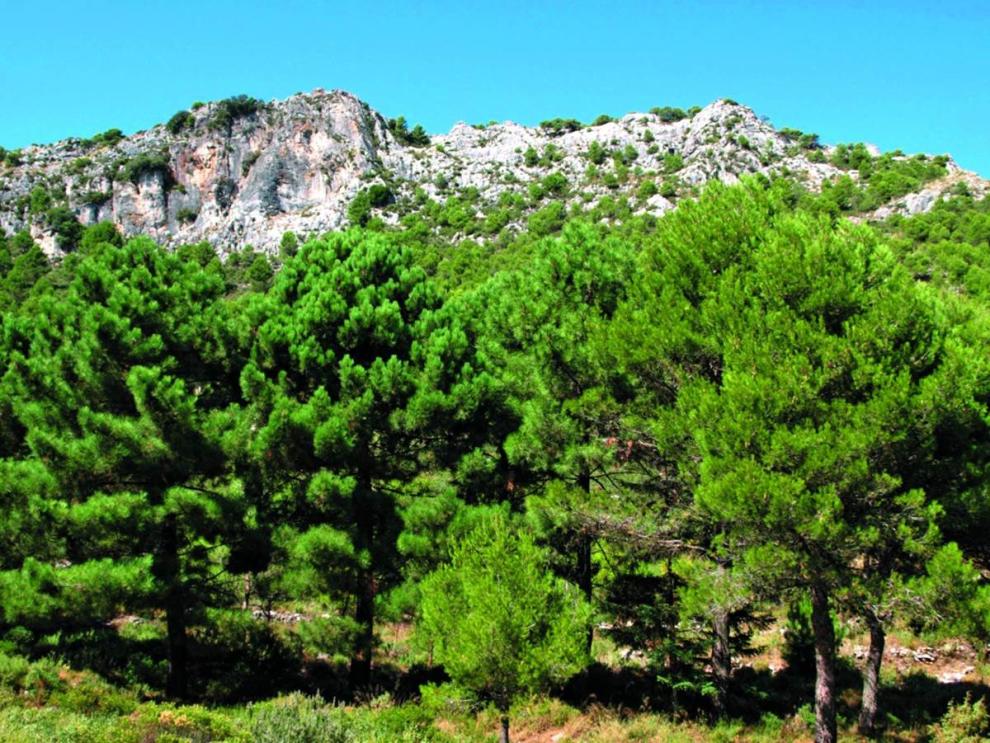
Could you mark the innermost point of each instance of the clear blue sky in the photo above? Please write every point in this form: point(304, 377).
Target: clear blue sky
point(911, 75)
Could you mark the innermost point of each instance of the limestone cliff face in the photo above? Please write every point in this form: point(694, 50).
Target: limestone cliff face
point(295, 165)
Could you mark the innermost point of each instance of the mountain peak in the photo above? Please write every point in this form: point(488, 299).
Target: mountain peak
point(243, 171)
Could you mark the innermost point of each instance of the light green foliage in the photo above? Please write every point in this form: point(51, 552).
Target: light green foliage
point(647, 189)
point(299, 719)
point(965, 722)
point(498, 622)
point(672, 163)
point(951, 599)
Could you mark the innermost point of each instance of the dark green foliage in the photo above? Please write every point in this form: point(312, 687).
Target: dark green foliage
point(145, 163)
point(201, 253)
point(109, 138)
point(603, 119)
point(415, 138)
point(180, 121)
point(596, 153)
point(97, 234)
point(95, 198)
point(801, 139)
point(230, 110)
point(186, 214)
point(349, 366)
point(29, 265)
point(557, 127)
point(260, 273)
point(133, 442)
point(64, 223)
point(668, 114)
point(40, 200)
point(224, 192)
point(547, 220)
point(375, 197)
point(249, 160)
point(288, 246)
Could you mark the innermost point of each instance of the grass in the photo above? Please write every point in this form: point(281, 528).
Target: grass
point(617, 700)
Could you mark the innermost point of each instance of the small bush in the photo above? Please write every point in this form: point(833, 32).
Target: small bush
point(78, 166)
point(377, 196)
point(557, 127)
point(105, 139)
point(181, 120)
point(547, 220)
point(298, 719)
point(647, 189)
point(669, 114)
point(185, 215)
point(966, 722)
point(596, 153)
point(95, 198)
point(415, 138)
point(672, 163)
point(230, 110)
point(224, 193)
point(249, 160)
point(133, 169)
point(67, 228)
point(40, 200)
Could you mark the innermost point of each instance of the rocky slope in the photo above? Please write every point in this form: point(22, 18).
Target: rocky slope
point(238, 174)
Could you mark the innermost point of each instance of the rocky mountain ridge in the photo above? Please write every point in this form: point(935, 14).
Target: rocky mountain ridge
point(240, 172)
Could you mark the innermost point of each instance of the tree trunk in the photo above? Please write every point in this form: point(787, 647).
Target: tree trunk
point(504, 733)
point(176, 684)
point(364, 610)
point(824, 632)
point(585, 568)
point(364, 615)
point(871, 676)
point(721, 661)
